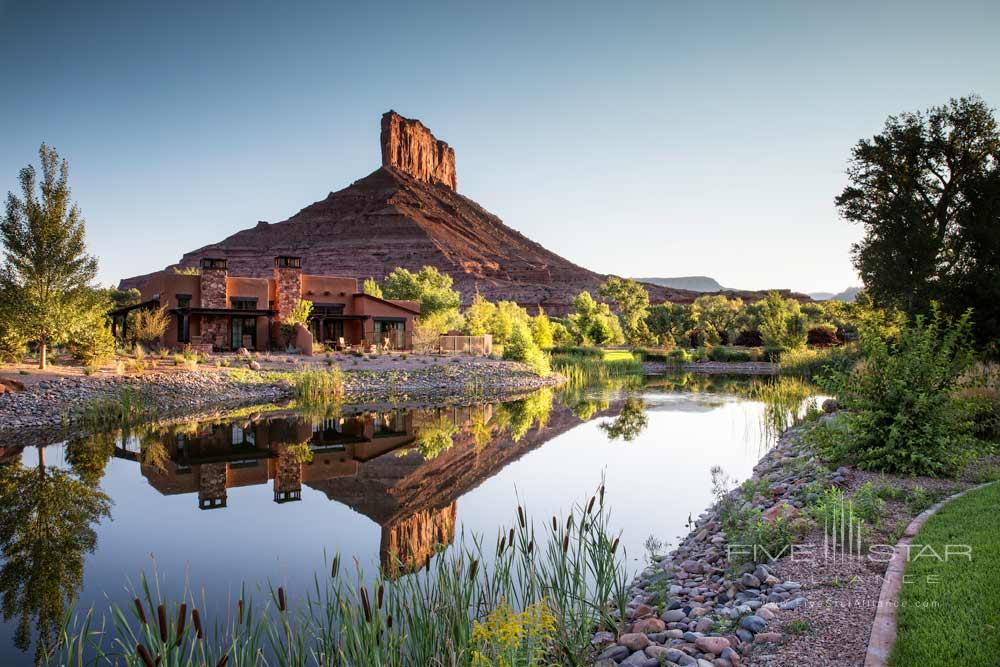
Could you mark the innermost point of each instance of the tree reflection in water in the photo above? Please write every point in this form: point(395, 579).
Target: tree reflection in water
point(630, 422)
point(47, 518)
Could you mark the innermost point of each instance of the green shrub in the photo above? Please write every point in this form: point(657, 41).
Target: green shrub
point(680, 355)
point(902, 413)
point(578, 351)
point(729, 355)
point(521, 346)
point(868, 504)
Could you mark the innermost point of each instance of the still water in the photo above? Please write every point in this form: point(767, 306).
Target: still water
point(272, 493)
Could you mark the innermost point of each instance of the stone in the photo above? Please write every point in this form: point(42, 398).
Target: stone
point(766, 614)
point(830, 405)
point(615, 653)
point(673, 615)
point(783, 510)
point(640, 659)
point(750, 581)
point(767, 638)
point(714, 645)
point(634, 641)
point(602, 637)
point(693, 567)
point(648, 625)
point(753, 623)
point(642, 611)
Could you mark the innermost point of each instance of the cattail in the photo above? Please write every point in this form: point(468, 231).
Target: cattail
point(222, 661)
point(473, 568)
point(144, 655)
point(614, 545)
point(510, 540)
point(590, 505)
point(520, 515)
point(388, 621)
point(240, 605)
point(569, 522)
point(602, 494)
point(378, 595)
point(196, 617)
point(335, 568)
point(555, 526)
point(161, 613)
point(366, 604)
point(501, 544)
point(142, 612)
point(181, 621)
point(531, 546)
point(566, 544)
point(281, 599)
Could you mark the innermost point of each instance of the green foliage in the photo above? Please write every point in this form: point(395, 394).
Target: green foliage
point(781, 322)
point(521, 347)
point(867, 504)
point(670, 320)
point(541, 330)
point(435, 437)
point(593, 322)
point(479, 316)
point(813, 363)
point(372, 288)
point(632, 301)
point(902, 414)
point(715, 316)
point(47, 274)
point(429, 287)
point(927, 192)
point(733, 355)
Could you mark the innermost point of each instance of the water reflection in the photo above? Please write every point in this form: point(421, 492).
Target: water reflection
point(47, 519)
point(402, 469)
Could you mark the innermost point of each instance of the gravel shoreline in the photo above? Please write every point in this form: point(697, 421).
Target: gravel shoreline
point(690, 608)
point(48, 409)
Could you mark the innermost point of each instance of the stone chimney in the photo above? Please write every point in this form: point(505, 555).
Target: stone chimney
point(409, 147)
point(287, 284)
point(213, 283)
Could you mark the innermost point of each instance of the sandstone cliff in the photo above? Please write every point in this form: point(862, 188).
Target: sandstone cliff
point(409, 147)
point(408, 214)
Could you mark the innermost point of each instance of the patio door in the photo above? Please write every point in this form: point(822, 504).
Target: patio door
point(244, 331)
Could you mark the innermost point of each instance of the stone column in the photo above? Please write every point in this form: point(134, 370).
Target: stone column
point(287, 284)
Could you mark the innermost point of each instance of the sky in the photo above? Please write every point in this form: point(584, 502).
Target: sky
point(635, 138)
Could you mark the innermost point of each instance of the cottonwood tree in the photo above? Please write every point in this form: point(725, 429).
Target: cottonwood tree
point(47, 274)
point(632, 301)
point(927, 192)
point(430, 287)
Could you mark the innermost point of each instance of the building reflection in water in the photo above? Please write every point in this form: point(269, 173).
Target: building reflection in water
point(285, 450)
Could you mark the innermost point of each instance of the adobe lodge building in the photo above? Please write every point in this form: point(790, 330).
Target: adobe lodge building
point(215, 312)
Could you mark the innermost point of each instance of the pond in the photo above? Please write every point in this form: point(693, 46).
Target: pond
point(271, 493)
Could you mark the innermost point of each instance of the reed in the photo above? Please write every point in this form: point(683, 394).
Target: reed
point(123, 409)
point(319, 386)
point(553, 584)
point(584, 370)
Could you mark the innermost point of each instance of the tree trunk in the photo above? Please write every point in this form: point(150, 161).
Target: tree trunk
point(42, 359)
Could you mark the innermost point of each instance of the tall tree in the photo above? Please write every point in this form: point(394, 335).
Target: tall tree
point(632, 301)
point(926, 192)
point(47, 272)
point(428, 286)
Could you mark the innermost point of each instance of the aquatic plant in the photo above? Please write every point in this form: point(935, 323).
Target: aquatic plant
point(538, 593)
point(319, 386)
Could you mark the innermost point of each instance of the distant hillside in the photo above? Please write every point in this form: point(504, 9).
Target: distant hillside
point(693, 283)
point(847, 295)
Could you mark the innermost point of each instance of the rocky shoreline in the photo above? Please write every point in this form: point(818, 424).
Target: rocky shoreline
point(45, 410)
point(713, 368)
point(691, 607)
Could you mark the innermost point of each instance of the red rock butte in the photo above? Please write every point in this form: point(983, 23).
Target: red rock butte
point(408, 213)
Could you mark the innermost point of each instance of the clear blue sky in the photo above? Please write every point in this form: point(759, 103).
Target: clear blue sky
point(636, 138)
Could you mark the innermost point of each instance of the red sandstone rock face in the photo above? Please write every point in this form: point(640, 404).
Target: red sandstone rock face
point(401, 216)
point(409, 147)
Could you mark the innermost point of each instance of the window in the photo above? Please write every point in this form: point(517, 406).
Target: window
point(288, 262)
point(183, 300)
point(209, 263)
point(244, 303)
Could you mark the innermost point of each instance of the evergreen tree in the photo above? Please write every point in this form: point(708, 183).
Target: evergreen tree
point(47, 274)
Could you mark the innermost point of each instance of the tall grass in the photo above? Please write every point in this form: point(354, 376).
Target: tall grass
point(318, 387)
point(122, 409)
point(585, 370)
point(812, 362)
point(785, 400)
point(564, 571)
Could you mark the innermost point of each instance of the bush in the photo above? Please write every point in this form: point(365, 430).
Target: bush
point(578, 351)
point(729, 355)
point(750, 338)
point(681, 355)
point(902, 413)
point(822, 335)
point(521, 347)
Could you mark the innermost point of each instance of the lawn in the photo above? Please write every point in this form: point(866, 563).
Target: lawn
point(618, 355)
point(949, 612)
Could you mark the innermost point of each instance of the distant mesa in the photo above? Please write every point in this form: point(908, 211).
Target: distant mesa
point(693, 283)
point(408, 213)
point(848, 294)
